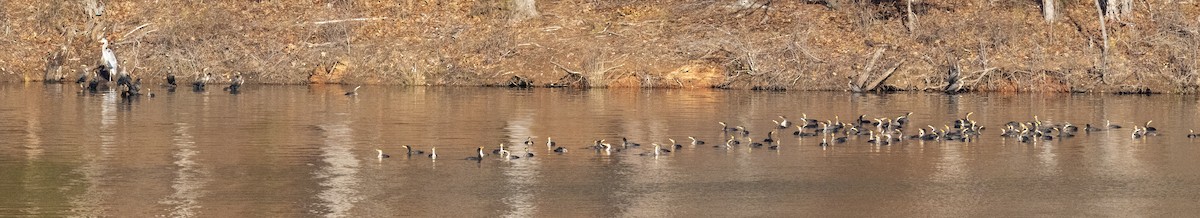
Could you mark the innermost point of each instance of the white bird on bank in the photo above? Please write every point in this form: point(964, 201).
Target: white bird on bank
point(108, 58)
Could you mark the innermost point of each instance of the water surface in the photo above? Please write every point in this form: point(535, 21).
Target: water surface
point(310, 151)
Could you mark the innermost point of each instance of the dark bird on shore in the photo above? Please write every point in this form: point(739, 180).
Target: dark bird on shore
point(353, 92)
point(382, 155)
point(953, 82)
point(235, 83)
point(95, 84)
point(124, 80)
point(82, 75)
point(130, 89)
point(201, 82)
point(171, 80)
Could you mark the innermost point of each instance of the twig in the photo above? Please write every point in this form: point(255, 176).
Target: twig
point(135, 29)
point(348, 20)
point(985, 72)
point(565, 69)
point(137, 39)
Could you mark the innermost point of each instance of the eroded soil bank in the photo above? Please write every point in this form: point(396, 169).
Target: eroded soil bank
point(992, 45)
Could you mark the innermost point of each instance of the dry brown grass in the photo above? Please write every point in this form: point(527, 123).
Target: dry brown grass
point(792, 45)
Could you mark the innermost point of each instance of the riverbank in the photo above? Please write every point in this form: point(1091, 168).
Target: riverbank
point(1003, 46)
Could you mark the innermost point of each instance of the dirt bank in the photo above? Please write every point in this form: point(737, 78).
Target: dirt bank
point(993, 45)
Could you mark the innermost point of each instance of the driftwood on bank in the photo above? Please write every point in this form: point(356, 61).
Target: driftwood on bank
point(572, 79)
point(859, 84)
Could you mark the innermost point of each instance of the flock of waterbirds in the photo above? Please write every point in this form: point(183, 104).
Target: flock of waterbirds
point(882, 131)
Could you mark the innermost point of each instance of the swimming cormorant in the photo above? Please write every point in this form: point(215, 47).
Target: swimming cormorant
point(382, 155)
point(499, 150)
point(753, 144)
point(1109, 124)
point(695, 142)
point(353, 92)
point(902, 120)
point(625, 143)
point(478, 155)
point(410, 151)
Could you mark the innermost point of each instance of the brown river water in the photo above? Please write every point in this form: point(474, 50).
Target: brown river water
point(309, 151)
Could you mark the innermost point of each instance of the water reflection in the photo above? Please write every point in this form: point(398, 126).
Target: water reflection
point(521, 175)
point(339, 177)
point(190, 178)
point(95, 171)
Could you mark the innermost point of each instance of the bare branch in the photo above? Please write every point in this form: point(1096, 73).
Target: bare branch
point(348, 20)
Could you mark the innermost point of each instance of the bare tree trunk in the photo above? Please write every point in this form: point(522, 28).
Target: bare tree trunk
point(1048, 10)
point(1103, 47)
point(912, 18)
point(523, 10)
point(1103, 28)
